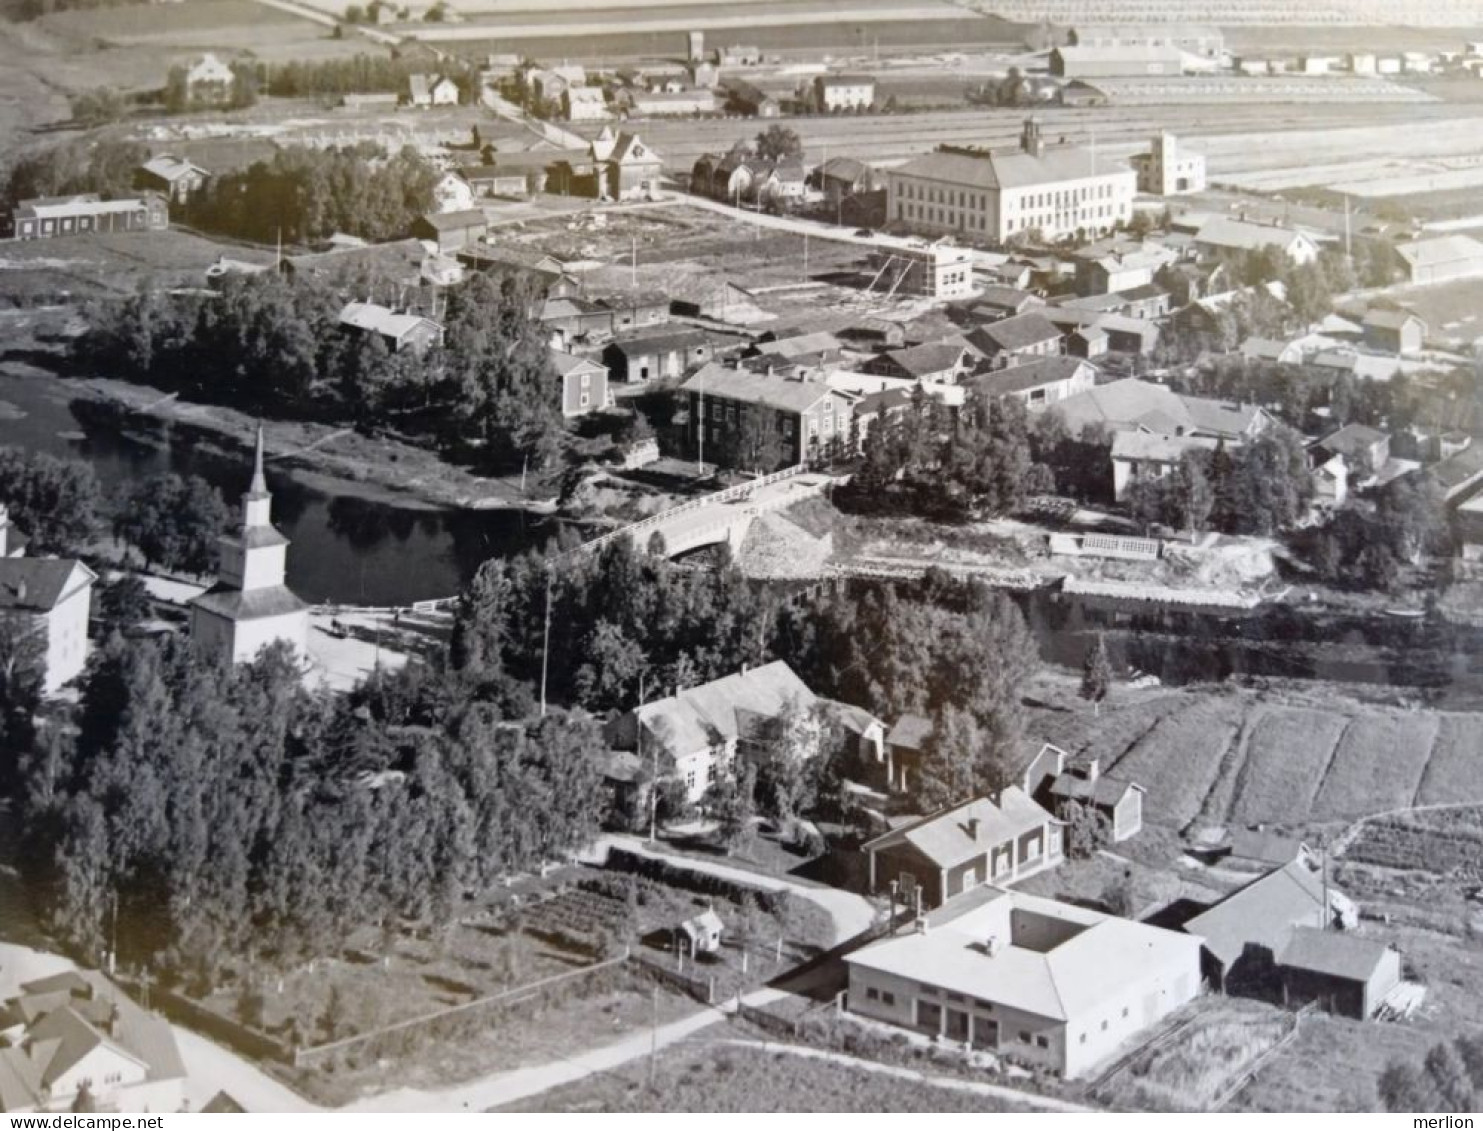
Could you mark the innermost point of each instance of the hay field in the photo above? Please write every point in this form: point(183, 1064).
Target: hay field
point(1378, 765)
point(1160, 761)
point(1455, 771)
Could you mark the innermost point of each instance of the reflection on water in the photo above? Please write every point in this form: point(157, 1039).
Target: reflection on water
point(346, 548)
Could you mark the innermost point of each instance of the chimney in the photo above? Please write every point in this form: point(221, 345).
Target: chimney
point(769, 369)
point(991, 947)
point(923, 927)
point(20, 591)
point(973, 828)
point(1093, 768)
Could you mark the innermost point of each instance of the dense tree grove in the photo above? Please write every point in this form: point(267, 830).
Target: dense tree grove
point(180, 97)
point(272, 345)
point(53, 501)
point(361, 74)
point(933, 462)
point(104, 167)
point(1368, 544)
point(174, 522)
point(905, 650)
point(306, 194)
point(34, 9)
point(231, 814)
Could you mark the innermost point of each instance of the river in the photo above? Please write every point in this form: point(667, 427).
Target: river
point(345, 547)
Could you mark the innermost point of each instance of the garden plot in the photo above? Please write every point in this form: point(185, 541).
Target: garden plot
point(1121, 725)
point(1378, 765)
point(1447, 842)
point(1287, 754)
point(1455, 772)
point(1179, 760)
point(1198, 1067)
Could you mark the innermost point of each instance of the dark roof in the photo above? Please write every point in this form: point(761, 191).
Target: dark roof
point(1018, 378)
point(1016, 332)
point(1074, 786)
point(1389, 319)
point(1266, 847)
point(920, 361)
point(883, 401)
point(1456, 471)
point(1336, 953)
point(1351, 439)
point(453, 221)
point(1146, 291)
point(222, 1103)
point(1262, 913)
point(236, 604)
point(910, 732)
point(37, 584)
point(1006, 298)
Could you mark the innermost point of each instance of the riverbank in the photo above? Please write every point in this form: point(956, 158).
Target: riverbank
point(325, 458)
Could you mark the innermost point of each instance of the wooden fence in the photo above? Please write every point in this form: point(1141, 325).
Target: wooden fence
point(307, 1057)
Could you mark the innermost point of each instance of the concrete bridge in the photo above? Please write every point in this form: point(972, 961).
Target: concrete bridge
point(724, 516)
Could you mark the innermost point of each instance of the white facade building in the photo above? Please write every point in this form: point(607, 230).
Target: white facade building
point(250, 607)
point(51, 597)
point(1057, 190)
point(1167, 170)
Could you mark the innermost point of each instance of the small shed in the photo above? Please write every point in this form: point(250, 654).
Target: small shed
point(1343, 973)
point(703, 932)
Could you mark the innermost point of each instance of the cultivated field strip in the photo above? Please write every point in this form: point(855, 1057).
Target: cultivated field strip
point(1377, 765)
point(1454, 773)
point(1111, 736)
point(1286, 755)
point(1180, 759)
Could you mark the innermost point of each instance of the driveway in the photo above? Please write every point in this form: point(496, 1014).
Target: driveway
point(851, 914)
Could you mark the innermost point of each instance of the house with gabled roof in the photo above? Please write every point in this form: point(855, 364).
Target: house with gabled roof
point(1036, 384)
point(1341, 972)
point(451, 231)
point(1019, 338)
point(725, 400)
point(697, 731)
point(933, 362)
point(1245, 932)
point(996, 839)
point(175, 177)
point(76, 1034)
point(50, 597)
point(1054, 782)
point(1132, 404)
point(1029, 979)
point(398, 329)
point(584, 383)
point(1228, 234)
point(1394, 331)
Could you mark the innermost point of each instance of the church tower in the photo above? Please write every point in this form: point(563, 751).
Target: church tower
point(250, 607)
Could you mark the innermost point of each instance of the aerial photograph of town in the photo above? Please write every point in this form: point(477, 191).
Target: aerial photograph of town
point(728, 556)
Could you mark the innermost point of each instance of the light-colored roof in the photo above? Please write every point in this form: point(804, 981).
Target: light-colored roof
point(1099, 958)
point(1336, 953)
point(1018, 331)
point(1134, 404)
point(700, 717)
point(1243, 235)
point(453, 221)
point(1148, 447)
point(587, 94)
point(1012, 168)
point(171, 168)
point(1352, 439)
point(1439, 250)
point(1389, 319)
point(568, 363)
point(79, 204)
point(789, 393)
point(947, 838)
point(383, 320)
point(1261, 913)
point(1031, 375)
point(1126, 54)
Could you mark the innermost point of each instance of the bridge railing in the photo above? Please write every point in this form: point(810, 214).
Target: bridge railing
point(726, 495)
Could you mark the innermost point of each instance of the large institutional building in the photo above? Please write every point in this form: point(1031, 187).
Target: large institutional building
point(250, 607)
point(1059, 190)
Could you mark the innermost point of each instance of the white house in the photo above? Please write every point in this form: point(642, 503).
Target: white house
point(51, 597)
point(452, 193)
point(1032, 979)
point(77, 1030)
point(250, 607)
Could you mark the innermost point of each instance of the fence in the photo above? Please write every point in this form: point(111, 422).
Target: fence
point(306, 1057)
point(702, 990)
point(1107, 546)
point(192, 1014)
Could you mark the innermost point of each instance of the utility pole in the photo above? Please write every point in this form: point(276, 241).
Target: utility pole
point(700, 433)
point(805, 256)
point(1348, 247)
point(633, 261)
point(654, 1039)
point(546, 641)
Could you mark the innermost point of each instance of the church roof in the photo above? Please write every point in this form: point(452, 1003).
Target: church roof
point(254, 537)
point(253, 604)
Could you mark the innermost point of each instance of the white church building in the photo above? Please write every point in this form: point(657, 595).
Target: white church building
point(250, 607)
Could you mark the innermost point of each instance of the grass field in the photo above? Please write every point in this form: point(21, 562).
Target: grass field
point(1456, 766)
point(1296, 757)
point(715, 1077)
point(1160, 761)
point(1378, 765)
